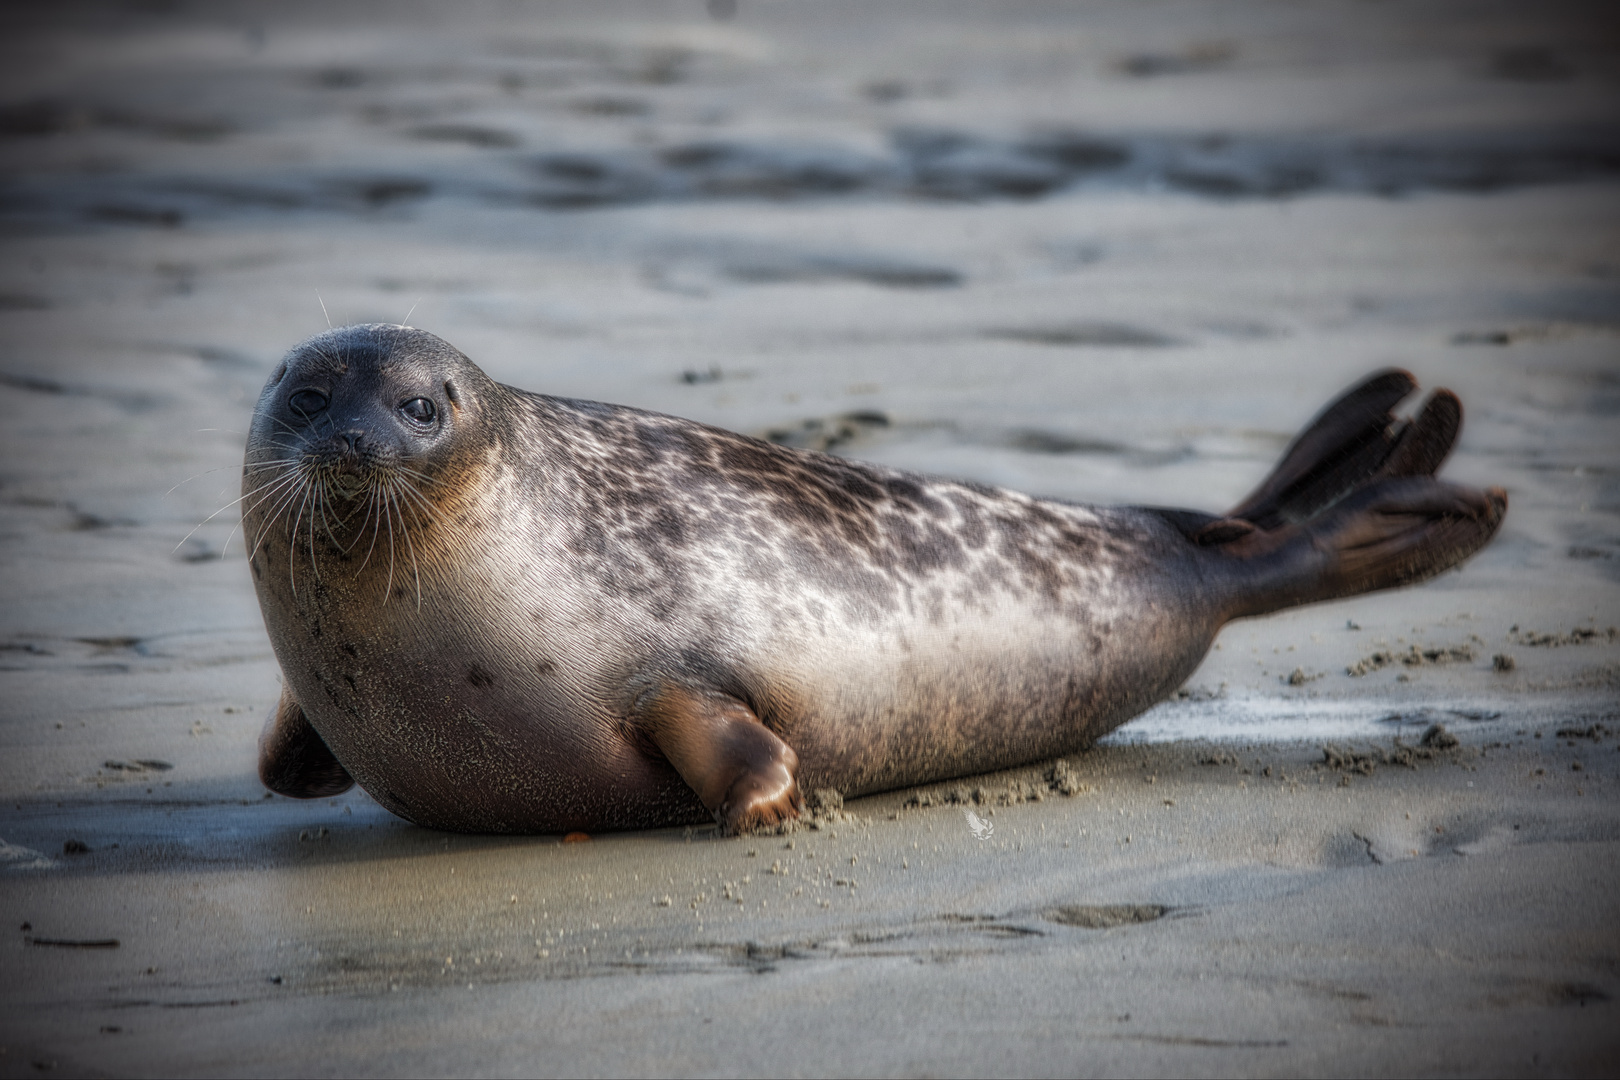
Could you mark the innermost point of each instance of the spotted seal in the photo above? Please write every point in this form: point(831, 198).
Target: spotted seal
point(500, 611)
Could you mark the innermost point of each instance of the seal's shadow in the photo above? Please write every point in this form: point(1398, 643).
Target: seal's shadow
point(194, 828)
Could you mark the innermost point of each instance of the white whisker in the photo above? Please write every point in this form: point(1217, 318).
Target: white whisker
point(416, 570)
point(292, 544)
point(196, 476)
point(416, 497)
point(280, 508)
point(374, 490)
point(388, 586)
point(211, 517)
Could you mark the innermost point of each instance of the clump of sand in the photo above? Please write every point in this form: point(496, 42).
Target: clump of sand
point(1581, 635)
point(1436, 742)
point(1412, 657)
point(1060, 778)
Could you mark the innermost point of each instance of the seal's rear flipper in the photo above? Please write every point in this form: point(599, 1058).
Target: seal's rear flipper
point(1353, 507)
point(293, 760)
point(1393, 532)
point(739, 768)
point(1354, 440)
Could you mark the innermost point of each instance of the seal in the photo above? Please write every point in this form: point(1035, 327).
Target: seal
point(500, 611)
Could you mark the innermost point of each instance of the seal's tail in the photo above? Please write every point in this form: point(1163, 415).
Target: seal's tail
point(1353, 506)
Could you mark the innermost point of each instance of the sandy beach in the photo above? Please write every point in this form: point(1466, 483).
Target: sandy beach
point(1110, 252)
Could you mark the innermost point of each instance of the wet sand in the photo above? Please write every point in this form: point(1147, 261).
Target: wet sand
point(1108, 253)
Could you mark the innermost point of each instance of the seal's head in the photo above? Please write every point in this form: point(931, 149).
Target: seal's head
point(352, 434)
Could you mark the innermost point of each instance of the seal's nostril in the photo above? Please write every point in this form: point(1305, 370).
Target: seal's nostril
point(352, 439)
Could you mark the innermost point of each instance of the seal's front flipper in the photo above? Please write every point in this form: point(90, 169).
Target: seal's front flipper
point(743, 773)
point(293, 761)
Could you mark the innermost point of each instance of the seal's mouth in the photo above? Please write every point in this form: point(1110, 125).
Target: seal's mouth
point(349, 466)
point(345, 506)
point(347, 479)
point(347, 482)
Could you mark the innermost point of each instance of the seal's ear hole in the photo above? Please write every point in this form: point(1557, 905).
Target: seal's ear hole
point(450, 392)
point(279, 374)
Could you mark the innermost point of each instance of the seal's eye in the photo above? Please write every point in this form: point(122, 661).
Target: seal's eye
point(419, 410)
point(307, 402)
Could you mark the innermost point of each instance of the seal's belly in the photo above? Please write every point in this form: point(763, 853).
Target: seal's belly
point(449, 731)
point(917, 699)
point(452, 730)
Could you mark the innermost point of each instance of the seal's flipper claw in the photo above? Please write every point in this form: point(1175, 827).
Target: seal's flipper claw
point(744, 774)
point(293, 760)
